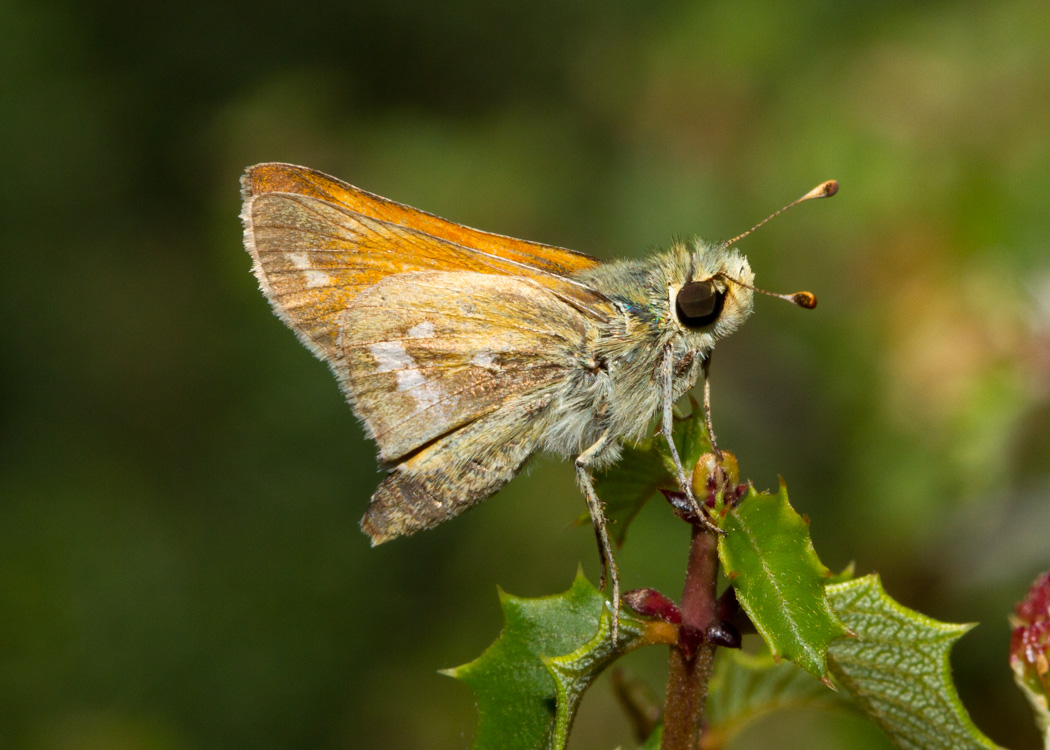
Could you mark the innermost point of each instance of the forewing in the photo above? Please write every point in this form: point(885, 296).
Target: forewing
point(317, 242)
point(426, 353)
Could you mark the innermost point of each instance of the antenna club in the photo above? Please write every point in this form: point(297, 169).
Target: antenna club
point(807, 300)
point(823, 190)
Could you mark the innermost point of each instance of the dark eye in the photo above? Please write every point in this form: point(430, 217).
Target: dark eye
point(699, 303)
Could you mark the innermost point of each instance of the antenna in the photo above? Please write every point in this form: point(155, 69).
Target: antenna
point(807, 300)
point(823, 190)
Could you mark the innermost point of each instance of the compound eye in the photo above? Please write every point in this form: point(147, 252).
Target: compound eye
point(699, 303)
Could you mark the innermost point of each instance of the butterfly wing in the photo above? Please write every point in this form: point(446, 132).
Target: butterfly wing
point(426, 353)
point(458, 471)
point(452, 374)
point(449, 343)
point(317, 242)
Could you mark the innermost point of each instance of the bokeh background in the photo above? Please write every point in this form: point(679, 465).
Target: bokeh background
point(180, 482)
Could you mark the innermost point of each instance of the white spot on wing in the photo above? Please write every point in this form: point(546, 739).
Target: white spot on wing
point(407, 379)
point(484, 359)
point(424, 330)
point(391, 356)
point(311, 275)
point(300, 260)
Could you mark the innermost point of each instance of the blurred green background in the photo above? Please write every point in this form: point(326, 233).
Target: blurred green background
point(180, 481)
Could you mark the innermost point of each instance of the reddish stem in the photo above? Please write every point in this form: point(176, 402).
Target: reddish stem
point(688, 677)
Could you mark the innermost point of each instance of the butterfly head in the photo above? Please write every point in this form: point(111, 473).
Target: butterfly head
point(715, 294)
point(709, 292)
point(717, 290)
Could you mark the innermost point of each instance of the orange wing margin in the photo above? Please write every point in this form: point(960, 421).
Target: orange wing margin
point(288, 178)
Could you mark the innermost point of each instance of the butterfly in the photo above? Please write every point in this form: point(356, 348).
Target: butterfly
point(463, 352)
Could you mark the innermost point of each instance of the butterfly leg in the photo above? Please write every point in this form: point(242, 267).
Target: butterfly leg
point(594, 506)
point(705, 367)
point(667, 421)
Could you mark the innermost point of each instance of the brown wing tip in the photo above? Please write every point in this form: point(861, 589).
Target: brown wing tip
point(376, 528)
point(268, 177)
point(399, 508)
point(275, 177)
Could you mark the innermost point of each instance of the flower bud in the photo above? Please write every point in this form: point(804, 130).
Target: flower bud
point(1030, 643)
point(713, 473)
point(651, 603)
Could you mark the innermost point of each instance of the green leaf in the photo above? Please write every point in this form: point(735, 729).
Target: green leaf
point(529, 682)
point(897, 669)
point(1037, 699)
point(846, 574)
point(645, 467)
point(746, 687)
point(779, 580)
point(574, 672)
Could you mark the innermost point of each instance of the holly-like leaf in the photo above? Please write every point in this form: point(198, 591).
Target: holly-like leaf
point(779, 580)
point(529, 682)
point(746, 687)
point(897, 670)
point(574, 672)
point(646, 467)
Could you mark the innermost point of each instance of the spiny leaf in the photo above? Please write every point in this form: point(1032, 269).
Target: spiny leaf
point(779, 580)
point(746, 687)
point(645, 467)
point(897, 669)
point(846, 574)
point(528, 683)
point(574, 672)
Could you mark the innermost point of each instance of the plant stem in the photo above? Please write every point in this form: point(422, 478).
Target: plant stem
point(687, 678)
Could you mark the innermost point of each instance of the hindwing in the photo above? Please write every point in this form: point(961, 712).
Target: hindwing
point(426, 353)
